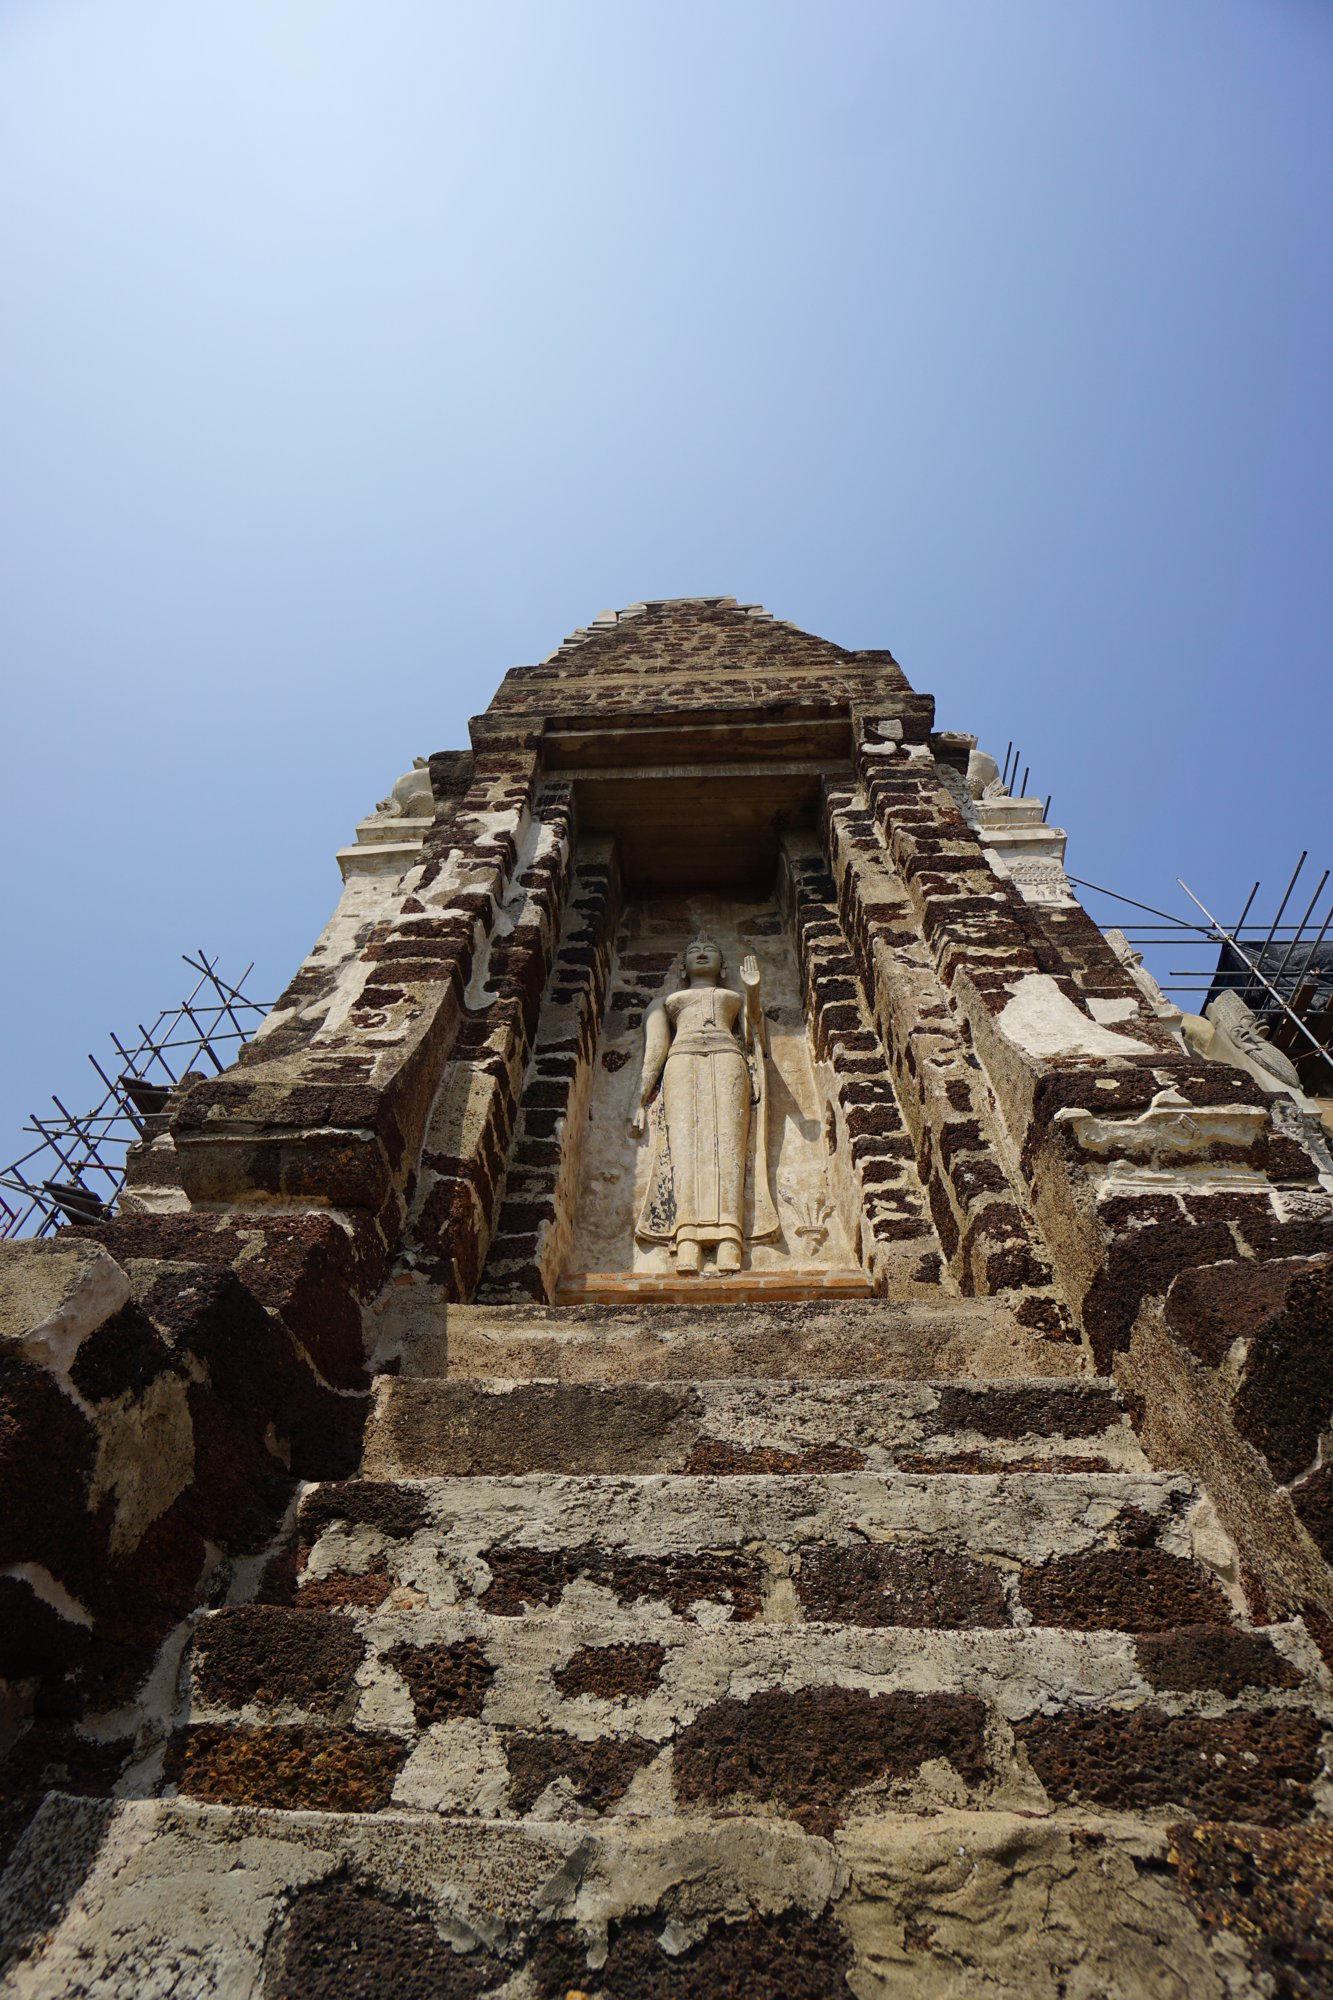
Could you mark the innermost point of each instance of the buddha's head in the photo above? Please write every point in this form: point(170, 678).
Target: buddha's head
point(703, 961)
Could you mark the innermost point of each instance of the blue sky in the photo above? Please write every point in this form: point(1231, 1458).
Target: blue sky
point(354, 353)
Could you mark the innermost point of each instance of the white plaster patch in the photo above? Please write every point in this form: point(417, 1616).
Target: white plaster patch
point(456, 1767)
point(46, 1587)
point(1018, 1669)
point(145, 1459)
point(1043, 1021)
point(1173, 1145)
point(1112, 1010)
point(1169, 1129)
point(54, 1298)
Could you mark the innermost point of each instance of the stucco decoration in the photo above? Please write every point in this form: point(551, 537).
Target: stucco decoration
point(703, 1091)
point(1169, 1131)
point(411, 797)
point(1132, 960)
point(1227, 1031)
point(983, 777)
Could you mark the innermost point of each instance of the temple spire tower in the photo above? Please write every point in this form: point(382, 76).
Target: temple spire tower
point(726, 1398)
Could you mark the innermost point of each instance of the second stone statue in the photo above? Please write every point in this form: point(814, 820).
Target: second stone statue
point(708, 1179)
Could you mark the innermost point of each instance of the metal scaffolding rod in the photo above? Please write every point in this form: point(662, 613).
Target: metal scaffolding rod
point(1180, 923)
point(1220, 930)
point(75, 1171)
point(1282, 969)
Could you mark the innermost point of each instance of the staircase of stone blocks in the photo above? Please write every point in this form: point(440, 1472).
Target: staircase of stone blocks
point(709, 1653)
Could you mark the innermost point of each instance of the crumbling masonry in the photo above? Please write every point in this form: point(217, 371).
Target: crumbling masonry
point(413, 1582)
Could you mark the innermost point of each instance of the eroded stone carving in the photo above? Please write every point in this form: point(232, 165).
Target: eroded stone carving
point(1170, 1129)
point(411, 797)
point(1039, 879)
point(1309, 1122)
point(1228, 1031)
point(705, 1047)
point(811, 1210)
point(983, 777)
point(1132, 960)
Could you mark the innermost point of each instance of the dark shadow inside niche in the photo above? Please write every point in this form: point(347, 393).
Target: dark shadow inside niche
point(699, 830)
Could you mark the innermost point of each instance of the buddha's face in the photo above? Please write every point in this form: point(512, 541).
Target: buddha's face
point(703, 962)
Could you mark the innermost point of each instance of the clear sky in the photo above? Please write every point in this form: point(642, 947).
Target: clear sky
point(353, 353)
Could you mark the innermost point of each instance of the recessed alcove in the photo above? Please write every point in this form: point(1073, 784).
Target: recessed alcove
point(696, 831)
point(708, 824)
point(614, 1166)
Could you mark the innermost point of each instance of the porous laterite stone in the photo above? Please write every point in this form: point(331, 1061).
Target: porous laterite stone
point(1122, 1590)
point(342, 1942)
point(267, 1654)
point(613, 1673)
point(346, 1590)
point(1046, 1317)
point(1271, 1890)
point(324, 1770)
point(981, 1461)
point(126, 1355)
point(1216, 1304)
point(1313, 1501)
point(47, 1452)
point(444, 1681)
point(1026, 1409)
point(1213, 1657)
point(810, 1751)
point(397, 1511)
point(716, 1456)
point(1285, 1399)
point(791, 1956)
point(876, 1583)
point(1246, 1766)
point(550, 1427)
point(598, 1773)
point(523, 1576)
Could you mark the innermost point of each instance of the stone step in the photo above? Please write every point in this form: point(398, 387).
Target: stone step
point(648, 1672)
point(583, 1716)
point(819, 1755)
point(917, 1548)
point(428, 1427)
point(675, 1288)
point(871, 1339)
point(162, 1898)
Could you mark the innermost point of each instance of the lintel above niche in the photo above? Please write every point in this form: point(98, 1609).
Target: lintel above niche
point(700, 829)
point(804, 731)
